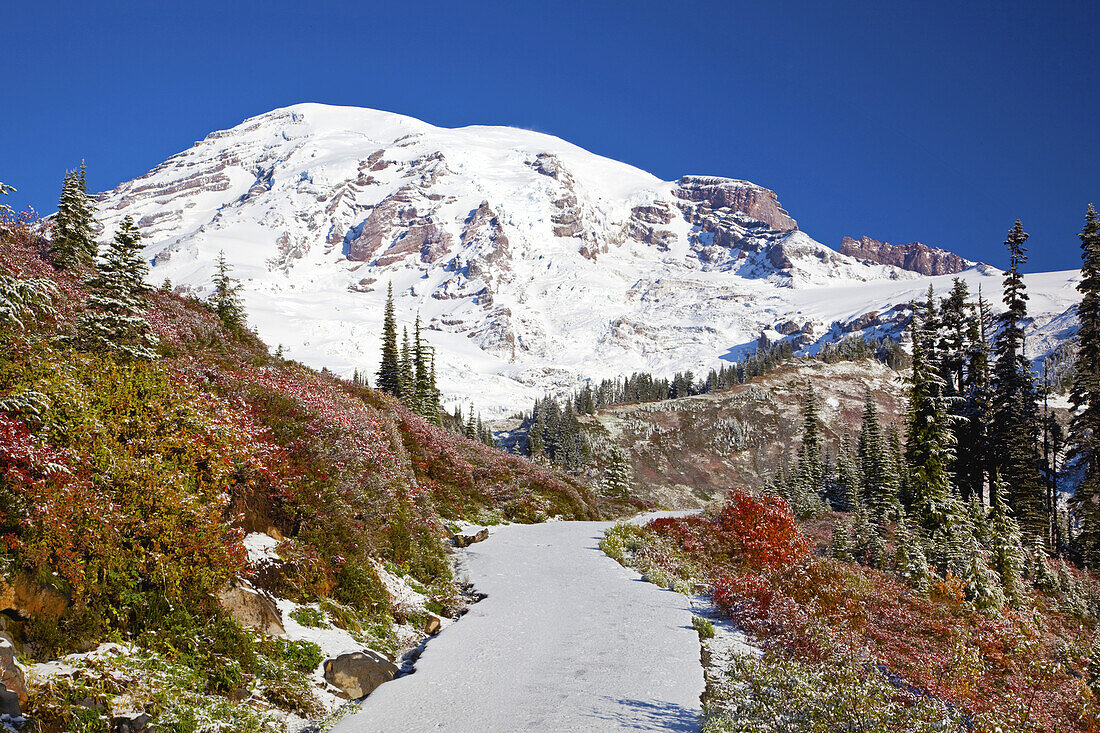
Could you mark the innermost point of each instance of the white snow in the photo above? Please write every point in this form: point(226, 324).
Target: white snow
point(260, 547)
point(567, 640)
point(284, 193)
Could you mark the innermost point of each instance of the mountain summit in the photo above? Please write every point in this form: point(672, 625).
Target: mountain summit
point(533, 262)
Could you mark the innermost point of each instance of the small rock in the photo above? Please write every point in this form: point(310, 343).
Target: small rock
point(130, 722)
point(11, 674)
point(359, 673)
point(252, 608)
point(432, 624)
point(9, 703)
point(465, 540)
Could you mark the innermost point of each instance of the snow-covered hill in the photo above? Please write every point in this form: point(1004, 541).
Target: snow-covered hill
point(531, 261)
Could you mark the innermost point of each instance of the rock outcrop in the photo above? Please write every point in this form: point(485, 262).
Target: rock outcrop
point(465, 540)
point(358, 674)
point(747, 198)
point(12, 680)
point(31, 600)
point(915, 256)
point(252, 608)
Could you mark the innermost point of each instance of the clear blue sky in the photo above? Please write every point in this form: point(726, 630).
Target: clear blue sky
point(934, 121)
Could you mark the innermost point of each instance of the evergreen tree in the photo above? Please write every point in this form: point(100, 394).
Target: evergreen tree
point(114, 321)
point(421, 398)
point(1085, 396)
point(975, 457)
point(73, 243)
point(389, 376)
point(226, 298)
point(878, 478)
point(1015, 406)
point(406, 377)
point(617, 479)
point(929, 449)
point(845, 486)
point(840, 547)
point(1007, 553)
point(910, 559)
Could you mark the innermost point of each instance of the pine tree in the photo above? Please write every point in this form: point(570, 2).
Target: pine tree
point(617, 478)
point(226, 298)
point(845, 486)
point(1007, 553)
point(840, 547)
point(910, 559)
point(1085, 396)
point(389, 377)
point(879, 479)
point(1015, 406)
point(114, 321)
point(471, 425)
point(406, 376)
point(73, 243)
point(928, 452)
point(975, 458)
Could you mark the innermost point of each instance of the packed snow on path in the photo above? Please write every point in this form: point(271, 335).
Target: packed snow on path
point(567, 640)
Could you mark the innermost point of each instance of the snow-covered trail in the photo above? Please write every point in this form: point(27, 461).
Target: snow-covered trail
point(567, 640)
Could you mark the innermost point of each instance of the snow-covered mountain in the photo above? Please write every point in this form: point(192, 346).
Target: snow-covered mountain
point(531, 261)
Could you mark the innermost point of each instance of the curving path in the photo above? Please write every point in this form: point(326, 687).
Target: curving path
point(567, 640)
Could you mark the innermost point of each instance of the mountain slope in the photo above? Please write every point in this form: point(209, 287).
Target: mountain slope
point(532, 261)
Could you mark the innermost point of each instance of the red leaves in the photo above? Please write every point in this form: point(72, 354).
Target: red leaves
point(770, 536)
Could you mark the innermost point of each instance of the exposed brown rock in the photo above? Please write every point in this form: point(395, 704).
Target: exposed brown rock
point(395, 229)
point(465, 540)
point(913, 256)
point(432, 624)
point(252, 608)
point(30, 600)
point(358, 674)
point(726, 193)
point(11, 674)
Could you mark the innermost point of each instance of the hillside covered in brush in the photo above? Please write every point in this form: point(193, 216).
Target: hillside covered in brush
point(155, 455)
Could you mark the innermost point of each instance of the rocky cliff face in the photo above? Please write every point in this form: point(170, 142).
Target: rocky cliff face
point(914, 256)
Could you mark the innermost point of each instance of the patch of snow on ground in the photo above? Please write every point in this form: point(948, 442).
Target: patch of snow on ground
point(260, 547)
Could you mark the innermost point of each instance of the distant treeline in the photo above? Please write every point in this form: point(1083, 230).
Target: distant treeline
point(554, 432)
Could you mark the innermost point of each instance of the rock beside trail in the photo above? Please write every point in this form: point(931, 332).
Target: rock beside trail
point(358, 674)
point(130, 723)
point(465, 540)
point(432, 624)
point(11, 678)
point(252, 609)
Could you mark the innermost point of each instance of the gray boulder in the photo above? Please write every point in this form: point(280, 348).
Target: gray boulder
point(465, 540)
point(11, 676)
point(358, 674)
point(252, 608)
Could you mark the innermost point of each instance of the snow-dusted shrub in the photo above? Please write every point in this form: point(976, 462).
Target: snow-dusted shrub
point(777, 693)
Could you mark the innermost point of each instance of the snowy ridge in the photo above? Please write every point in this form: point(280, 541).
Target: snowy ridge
point(531, 261)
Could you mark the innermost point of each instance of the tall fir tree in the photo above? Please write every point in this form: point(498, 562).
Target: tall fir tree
point(114, 321)
point(844, 492)
point(929, 447)
point(1015, 403)
point(879, 486)
point(617, 478)
point(1085, 396)
point(226, 298)
point(810, 460)
point(406, 375)
point(73, 239)
point(389, 375)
